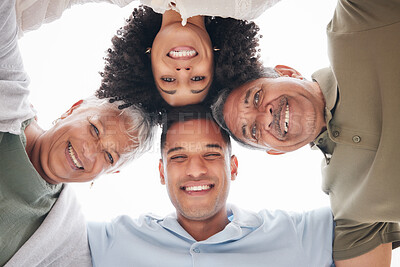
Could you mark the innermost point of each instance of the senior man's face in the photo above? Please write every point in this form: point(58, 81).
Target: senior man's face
point(282, 113)
point(197, 169)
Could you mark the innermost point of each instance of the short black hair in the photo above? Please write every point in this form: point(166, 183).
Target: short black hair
point(188, 113)
point(128, 75)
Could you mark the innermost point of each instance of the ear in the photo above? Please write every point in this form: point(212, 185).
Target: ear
point(274, 152)
point(286, 71)
point(69, 111)
point(161, 170)
point(234, 167)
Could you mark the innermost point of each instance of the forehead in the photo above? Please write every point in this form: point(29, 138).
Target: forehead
point(110, 119)
point(194, 135)
point(102, 112)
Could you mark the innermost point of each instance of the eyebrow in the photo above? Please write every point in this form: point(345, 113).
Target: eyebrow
point(214, 146)
point(172, 92)
point(104, 133)
point(246, 98)
point(244, 130)
point(181, 148)
point(198, 91)
point(246, 101)
point(174, 149)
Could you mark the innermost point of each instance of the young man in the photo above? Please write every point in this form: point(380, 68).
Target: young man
point(349, 112)
point(197, 168)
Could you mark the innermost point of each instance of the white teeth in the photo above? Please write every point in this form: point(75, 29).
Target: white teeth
point(183, 53)
point(73, 157)
point(286, 118)
point(197, 188)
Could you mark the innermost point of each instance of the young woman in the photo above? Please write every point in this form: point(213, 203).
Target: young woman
point(156, 62)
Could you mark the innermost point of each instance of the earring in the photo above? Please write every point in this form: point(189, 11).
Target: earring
point(216, 49)
point(91, 185)
point(148, 50)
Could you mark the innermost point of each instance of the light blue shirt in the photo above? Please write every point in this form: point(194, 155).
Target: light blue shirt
point(267, 238)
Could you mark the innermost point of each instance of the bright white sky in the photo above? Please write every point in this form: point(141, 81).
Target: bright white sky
point(63, 60)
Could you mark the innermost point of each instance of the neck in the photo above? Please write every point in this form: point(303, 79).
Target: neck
point(33, 135)
point(203, 229)
point(171, 16)
point(321, 97)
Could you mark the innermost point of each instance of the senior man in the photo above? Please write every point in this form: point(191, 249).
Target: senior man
point(197, 168)
point(349, 112)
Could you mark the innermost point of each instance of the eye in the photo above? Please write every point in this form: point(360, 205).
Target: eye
point(109, 157)
point(95, 130)
point(198, 78)
point(168, 79)
point(212, 156)
point(257, 98)
point(178, 158)
point(253, 132)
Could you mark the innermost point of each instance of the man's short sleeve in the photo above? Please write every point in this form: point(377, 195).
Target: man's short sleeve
point(315, 234)
point(353, 239)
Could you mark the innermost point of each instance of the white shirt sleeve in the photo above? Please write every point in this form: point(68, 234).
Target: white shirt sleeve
point(31, 14)
point(14, 105)
point(238, 9)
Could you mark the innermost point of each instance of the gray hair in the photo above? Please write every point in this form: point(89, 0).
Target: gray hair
point(141, 130)
point(217, 107)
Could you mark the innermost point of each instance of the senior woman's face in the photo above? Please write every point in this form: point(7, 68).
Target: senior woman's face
point(84, 145)
point(183, 63)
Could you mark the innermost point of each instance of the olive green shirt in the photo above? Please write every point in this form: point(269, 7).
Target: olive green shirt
point(25, 198)
point(361, 170)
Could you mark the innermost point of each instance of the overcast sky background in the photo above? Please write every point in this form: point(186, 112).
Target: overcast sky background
point(63, 59)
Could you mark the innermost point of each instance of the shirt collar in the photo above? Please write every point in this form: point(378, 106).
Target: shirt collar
point(241, 219)
point(327, 82)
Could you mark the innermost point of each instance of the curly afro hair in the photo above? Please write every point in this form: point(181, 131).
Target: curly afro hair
point(128, 75)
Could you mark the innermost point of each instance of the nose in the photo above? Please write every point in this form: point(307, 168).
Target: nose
point(265, 117)
point(91, 150)
point(196, 167)
point(183, 68)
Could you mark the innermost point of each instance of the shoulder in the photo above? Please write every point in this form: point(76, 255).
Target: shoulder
point(362, 15)
point(279, 219)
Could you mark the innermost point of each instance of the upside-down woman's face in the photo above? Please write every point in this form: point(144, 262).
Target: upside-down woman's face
point(183, 63)
point(84, 145)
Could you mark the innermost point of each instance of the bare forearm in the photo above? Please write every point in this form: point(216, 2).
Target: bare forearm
point(381, 256)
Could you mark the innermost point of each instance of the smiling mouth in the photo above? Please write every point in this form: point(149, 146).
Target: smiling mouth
point(182, 53)
point(286, 122)
point(74, 157)
point(197, 188)
point(281, 118)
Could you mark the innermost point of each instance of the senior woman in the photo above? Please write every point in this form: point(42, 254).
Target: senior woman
point(91, 138)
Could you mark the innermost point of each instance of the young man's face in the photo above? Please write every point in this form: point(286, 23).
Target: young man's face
point(197, 169)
